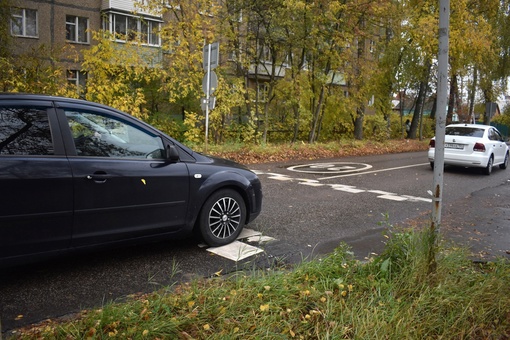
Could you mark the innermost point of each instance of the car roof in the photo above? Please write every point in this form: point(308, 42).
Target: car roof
point(22, 95)
point(45, 97)
point(475, 126)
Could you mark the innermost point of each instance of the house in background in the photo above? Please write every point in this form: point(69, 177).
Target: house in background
point(56, 25)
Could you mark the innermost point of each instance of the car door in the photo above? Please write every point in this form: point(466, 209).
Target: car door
point(36, 191)
point(498, 145)
point(123, 186)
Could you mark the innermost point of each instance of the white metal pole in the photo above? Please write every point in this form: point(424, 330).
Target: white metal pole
point(442, 91)
point(207, 95)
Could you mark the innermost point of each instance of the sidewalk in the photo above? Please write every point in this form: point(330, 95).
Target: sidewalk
point(481, 222)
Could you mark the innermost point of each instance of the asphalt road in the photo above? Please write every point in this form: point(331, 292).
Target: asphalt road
point(309, 208)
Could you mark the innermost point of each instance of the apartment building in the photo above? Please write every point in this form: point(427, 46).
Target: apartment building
point(60, 24)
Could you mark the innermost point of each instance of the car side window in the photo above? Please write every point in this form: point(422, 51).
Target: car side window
point(495, 135)
point(25, 130)
point(98, 135)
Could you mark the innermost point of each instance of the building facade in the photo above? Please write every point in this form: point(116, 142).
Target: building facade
point(63, 28)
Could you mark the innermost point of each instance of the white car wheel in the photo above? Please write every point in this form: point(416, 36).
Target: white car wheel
point(488, 169)
point(505, 162)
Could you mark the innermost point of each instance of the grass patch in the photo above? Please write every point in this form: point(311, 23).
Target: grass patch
point(391, 296)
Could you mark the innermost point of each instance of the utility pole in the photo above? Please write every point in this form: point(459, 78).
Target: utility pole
point(442, 91)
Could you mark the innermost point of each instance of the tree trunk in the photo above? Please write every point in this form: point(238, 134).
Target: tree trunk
point(296, 123)
point(358, 123)
point(451, 100)
point(434, 108)
point(316, 114)
point(417, 109)
point(471, 99)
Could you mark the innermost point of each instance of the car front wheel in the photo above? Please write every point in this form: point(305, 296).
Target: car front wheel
point(505, 162)
point(222, 217)
point(488, 169)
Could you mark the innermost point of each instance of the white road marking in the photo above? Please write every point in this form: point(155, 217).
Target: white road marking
point(374, 171)
point(380, 192)
point(393, 198)
point(281, 178)
point(352, 189)
point(417, 199)
point(312, 184)
point(346, 188)
point(328, 168)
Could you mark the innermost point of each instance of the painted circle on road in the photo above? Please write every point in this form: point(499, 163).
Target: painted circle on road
point(330, 168)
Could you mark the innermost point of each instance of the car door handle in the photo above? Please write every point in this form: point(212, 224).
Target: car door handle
point(98, 177)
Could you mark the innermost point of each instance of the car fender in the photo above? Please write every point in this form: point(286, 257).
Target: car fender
point(220, 180)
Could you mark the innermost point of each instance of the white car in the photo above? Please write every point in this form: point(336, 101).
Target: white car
point(472, 145)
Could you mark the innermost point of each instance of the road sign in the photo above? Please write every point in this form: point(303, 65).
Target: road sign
point(209, 82)
point(208, 105)
point(211, 56)
point(213, 82)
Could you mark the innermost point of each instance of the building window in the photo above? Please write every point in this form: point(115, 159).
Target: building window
point(372, 46)
point(263, 89)
point(78, 79)
point(24, 22)
point(128, 28)
point(264, 53)
point(149, 33)
point(77, 29)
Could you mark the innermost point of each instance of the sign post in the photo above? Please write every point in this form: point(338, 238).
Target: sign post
point(209, 82)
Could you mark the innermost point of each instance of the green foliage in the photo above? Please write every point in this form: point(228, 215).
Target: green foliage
point(376, 128)
point(504, 118)
point(117, 74)
point(193, 133)
point(33, 73)
point(169, 125)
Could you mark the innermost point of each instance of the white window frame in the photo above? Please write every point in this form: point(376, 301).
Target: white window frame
point(134, 29)
point(77, 78)
point(21, 21)
point(76, 24)
point(263, 92)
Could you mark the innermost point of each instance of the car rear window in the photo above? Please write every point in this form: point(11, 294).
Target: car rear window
point(464, 131)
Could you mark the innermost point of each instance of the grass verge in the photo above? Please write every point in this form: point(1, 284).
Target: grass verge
point(391, 296)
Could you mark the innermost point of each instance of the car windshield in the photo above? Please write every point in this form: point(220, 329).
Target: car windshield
point(464, 131)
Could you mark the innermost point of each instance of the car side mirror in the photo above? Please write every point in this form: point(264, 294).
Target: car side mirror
point(172, 154)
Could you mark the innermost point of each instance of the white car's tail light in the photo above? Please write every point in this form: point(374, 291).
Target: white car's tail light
point(479, 147)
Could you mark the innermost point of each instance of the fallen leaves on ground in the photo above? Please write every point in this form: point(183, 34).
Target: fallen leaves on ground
point(304, 151)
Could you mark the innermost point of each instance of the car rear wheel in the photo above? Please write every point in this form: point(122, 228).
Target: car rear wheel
point(488, 169)
point(505, 162)
point(432, 165)
point(222, 217)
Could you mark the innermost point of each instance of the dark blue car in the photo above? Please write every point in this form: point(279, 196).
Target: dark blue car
point(76, 175)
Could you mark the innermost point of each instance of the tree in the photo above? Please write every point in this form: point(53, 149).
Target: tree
point(117, 73)
point(367, 20)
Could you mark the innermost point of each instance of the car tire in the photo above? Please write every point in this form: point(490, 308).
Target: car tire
point(222, 218)
point(505, 162)
point(488, 169)
point(432, 165)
